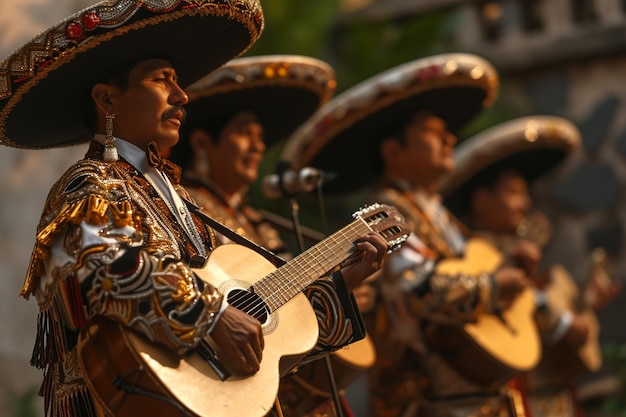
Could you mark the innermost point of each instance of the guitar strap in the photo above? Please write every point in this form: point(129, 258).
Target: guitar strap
point(234, 236)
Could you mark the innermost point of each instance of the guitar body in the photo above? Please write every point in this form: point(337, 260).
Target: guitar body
point(359, 355)
point(129, 375)
point(495, 347)
point(563, 294)
point(289, 333)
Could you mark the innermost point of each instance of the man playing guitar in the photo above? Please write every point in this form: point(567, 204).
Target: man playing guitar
point(490, 191)
point(398, 125)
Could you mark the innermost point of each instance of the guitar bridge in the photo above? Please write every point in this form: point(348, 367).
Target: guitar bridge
point(206, 352)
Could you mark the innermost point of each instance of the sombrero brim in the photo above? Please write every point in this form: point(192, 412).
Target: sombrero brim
point(45, 82)
point(342, 137)
point(532, 146)
point(281, 90)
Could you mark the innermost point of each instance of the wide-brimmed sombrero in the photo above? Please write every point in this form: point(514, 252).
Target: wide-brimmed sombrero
point(44, 83)
point(532, 146)
point(281, 90)
point(342, 137)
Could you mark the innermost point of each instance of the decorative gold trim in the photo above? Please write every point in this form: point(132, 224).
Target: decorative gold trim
point(289, 71)
point(506, 139)
point(381, 91)
point(54, 48)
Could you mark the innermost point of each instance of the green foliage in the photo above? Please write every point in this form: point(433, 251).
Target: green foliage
point(615, 356)
point(296, 27)
point(362, 49)
point(24, 404)
point(356, 49)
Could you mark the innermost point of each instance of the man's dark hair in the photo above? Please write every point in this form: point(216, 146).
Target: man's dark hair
point(182, 154)
point(397, 131)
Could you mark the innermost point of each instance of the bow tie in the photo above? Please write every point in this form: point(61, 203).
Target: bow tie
point(166, 166)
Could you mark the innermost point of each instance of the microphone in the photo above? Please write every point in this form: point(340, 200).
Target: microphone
point(289, 182)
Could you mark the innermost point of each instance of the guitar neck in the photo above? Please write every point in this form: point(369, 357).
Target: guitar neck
point(290, 279)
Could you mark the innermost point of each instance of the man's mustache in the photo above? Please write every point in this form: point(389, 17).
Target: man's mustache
point(169, 113)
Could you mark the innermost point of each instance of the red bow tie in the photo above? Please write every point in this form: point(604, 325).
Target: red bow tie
point(166, 166)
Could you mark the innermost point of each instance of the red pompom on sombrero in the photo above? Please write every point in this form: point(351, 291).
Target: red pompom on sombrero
point(44, 83)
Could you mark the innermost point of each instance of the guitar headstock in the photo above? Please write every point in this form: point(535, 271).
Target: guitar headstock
point(386, 221)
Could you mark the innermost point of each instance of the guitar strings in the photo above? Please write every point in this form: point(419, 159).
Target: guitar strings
point(269, 292)
point(308, 264)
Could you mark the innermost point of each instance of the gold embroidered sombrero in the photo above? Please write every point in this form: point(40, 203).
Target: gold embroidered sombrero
point(531, 146)
point(281, 90)
point(44, 83)
point(341, 137)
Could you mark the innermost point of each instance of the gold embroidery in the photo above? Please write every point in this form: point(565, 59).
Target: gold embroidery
point(122, 214)
point(96, 210)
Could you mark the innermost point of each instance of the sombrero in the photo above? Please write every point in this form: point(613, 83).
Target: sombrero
point(531, 146)
point(282, 90)
point(341, 137)
point(44, 83)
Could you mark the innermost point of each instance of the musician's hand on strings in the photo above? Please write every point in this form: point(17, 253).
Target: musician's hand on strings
point(578, 332)
point(600, 290)
point(510, 281)
point(527, 256)
point(369, 257)
point(240, 339)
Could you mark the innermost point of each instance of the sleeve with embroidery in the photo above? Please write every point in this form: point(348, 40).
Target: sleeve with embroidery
point(556, 305)
point(338, 318)
point(410, 272)
point(412, 269)
point(100, 250)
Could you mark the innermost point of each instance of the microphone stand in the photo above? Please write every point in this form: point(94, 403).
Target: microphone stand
point(295, 209)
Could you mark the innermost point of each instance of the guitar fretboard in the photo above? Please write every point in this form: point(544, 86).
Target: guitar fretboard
point(286, 282)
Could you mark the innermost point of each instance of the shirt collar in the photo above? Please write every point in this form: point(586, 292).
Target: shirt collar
point(129, 151)
point(419, 193)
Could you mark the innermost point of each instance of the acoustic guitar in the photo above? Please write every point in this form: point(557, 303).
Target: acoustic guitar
point(497, 345)
point(130, 375)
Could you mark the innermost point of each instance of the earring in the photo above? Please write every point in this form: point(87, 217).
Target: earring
point(110, 150)
point(201, 165)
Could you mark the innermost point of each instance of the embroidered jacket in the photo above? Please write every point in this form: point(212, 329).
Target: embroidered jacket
point(410, 376)
point(109, 245)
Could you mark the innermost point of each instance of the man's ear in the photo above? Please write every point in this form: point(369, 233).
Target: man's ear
point(199, 139)
point(389, 149)
point(480, 200)
point(101, 95)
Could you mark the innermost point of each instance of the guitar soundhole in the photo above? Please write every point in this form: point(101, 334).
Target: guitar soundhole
point(248, 302)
